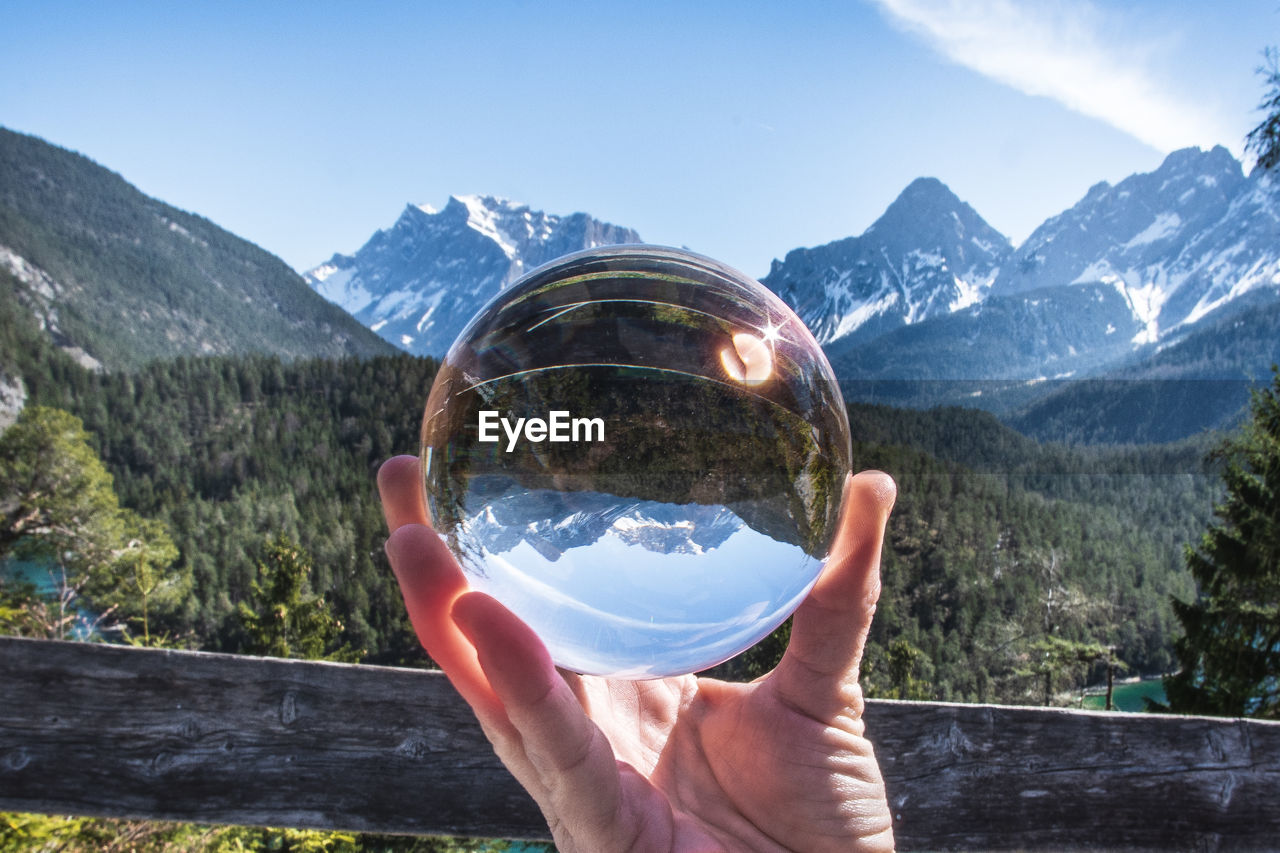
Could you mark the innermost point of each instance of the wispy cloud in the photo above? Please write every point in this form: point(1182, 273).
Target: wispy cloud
point(1064, 51)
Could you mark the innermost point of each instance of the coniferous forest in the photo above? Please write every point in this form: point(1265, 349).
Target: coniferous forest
point(1015, 572)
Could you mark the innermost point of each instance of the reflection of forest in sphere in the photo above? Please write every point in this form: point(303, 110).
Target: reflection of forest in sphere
point(699, 520)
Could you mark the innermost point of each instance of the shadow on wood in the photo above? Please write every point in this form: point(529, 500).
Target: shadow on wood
point(125, 732)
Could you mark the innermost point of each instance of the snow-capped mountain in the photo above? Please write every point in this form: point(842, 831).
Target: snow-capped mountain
point(928, 255)
point(1176, 243)
point(930, 292)
point(1052, 333)
point(418, 283)
point(553, 522)
point(1110, 287)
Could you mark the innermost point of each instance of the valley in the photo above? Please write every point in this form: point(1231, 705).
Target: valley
point(1070, 526)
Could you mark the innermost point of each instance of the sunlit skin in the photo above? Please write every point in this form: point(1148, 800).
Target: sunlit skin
point(678, 764)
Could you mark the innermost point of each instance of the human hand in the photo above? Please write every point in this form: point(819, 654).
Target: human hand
point(677, 764)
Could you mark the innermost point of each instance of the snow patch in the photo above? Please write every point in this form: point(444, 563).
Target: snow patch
point(1099, 270)
point(394, 300)
point(918, 258)
point(341, 287)
point(852, 321)
point(322, 272)
point(484, 220)
point(969, 293)
point(985, 245)
point(425, 320)
point(1145, 302)
point(1163, 225)
point(1261, 273)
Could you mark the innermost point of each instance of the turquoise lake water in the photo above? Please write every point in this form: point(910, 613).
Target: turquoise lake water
point(1128, 696)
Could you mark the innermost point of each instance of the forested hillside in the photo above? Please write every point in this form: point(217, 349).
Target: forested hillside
point(996, 545)
point(999, 542)
point(1200, 382)
point(125, 278)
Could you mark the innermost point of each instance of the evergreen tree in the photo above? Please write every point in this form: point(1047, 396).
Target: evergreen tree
point(1230, 655)
point(1264, 140)
point(908, 669)
point(286, 619)
point(142, 580)
point(16, 613)
point(1051, 658)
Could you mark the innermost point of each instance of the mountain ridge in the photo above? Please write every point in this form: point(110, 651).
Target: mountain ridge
point(1108, 285)
point(927, 255)
point(119, 278)
point(930, 304)
point(1164, 239)
point(929, 294)
point(1160, 250)
point(418, 282)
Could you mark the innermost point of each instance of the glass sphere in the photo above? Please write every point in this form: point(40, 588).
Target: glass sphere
point(640, 452)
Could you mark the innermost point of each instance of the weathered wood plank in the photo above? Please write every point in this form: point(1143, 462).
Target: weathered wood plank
point(990, 777)
point(106, 730)
point(117, 731)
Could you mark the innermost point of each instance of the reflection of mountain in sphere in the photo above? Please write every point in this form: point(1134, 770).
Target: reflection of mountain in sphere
point(699, 519)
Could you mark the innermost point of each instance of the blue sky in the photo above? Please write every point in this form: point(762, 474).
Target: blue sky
point(741, 130)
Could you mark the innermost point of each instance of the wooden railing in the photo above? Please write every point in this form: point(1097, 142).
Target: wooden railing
point(124, 732)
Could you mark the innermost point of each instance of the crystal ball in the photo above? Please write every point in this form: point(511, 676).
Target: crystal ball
point(640, 452)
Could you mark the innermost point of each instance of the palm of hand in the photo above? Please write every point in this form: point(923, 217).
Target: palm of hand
point(739, 767)
point(680, 763)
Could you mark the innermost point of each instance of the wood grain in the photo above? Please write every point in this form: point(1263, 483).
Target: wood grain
point(991, 777)
point(118, 731)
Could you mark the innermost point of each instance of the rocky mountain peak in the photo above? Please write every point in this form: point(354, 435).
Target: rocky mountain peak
point(419, 282)
point(1197, 162)
point(927, 198)
point(929, 253)
point(1148, 236)
point(927, 214)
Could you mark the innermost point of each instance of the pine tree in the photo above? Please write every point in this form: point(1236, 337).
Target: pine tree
point(909, 670)
point(1264, 140)
point(143, 580)
point(286, 619)
point(1230, 656)
point(1051, 658)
